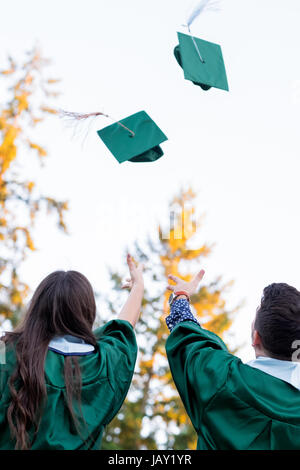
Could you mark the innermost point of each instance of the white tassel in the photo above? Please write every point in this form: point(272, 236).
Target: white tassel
point(77, 118)
point(203, 5)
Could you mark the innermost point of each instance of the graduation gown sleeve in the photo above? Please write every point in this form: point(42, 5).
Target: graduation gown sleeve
point(117, 344)
point(199, 362)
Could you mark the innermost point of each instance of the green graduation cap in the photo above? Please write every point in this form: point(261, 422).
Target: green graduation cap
point(135, 139)
point(202, 62)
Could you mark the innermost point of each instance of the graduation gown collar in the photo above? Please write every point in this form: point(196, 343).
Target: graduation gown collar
point(288, 371)
point(70, 345)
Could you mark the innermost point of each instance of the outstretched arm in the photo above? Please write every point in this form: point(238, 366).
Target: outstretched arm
point(199, 360)
point(132, 308)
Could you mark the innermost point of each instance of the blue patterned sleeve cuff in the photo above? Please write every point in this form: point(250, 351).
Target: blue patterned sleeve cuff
point(180, 311)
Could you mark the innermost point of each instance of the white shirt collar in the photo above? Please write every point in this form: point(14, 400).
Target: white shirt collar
point(288, 371)
point(70, 345)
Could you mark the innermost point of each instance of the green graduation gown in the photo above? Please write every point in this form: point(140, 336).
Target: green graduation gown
point(232, 406)
point(106, 377)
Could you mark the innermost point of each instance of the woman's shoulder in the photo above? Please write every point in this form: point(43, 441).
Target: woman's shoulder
point(119, 329)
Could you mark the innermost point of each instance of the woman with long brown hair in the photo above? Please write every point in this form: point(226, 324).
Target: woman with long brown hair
point(62, 382)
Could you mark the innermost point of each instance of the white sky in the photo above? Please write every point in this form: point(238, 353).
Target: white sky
point(238, 150)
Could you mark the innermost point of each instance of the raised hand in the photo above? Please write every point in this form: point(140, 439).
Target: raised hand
point(190, 287)
point(136, 274)
point(132, 308)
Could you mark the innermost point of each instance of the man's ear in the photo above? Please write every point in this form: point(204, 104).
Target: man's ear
point(256, 341)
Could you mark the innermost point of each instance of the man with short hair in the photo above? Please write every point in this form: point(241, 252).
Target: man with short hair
point(232, 405)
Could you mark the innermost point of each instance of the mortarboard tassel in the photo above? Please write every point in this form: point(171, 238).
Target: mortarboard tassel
point(203, 5)
point(83, 116)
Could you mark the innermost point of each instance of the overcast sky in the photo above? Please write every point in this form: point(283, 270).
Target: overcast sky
point(239, 150)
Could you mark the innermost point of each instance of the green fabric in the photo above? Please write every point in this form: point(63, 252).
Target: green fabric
point(142, 147)
point(231, 405)
point(106, 377)
point(149, 156)
point(179, 60)
point(207, 74)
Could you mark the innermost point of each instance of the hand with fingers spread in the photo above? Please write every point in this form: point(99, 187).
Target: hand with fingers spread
point(132, 308)
point(136, 274)
point(190, 287)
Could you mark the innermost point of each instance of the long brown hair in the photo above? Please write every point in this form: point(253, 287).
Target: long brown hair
point(63, 303)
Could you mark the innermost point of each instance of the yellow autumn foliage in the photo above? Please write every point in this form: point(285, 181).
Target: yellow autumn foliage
point(19, 114)
point(30, 185)
point(40, 150)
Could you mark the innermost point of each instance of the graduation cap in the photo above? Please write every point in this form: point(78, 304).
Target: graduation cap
point(135, 138)
point(202, 61)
